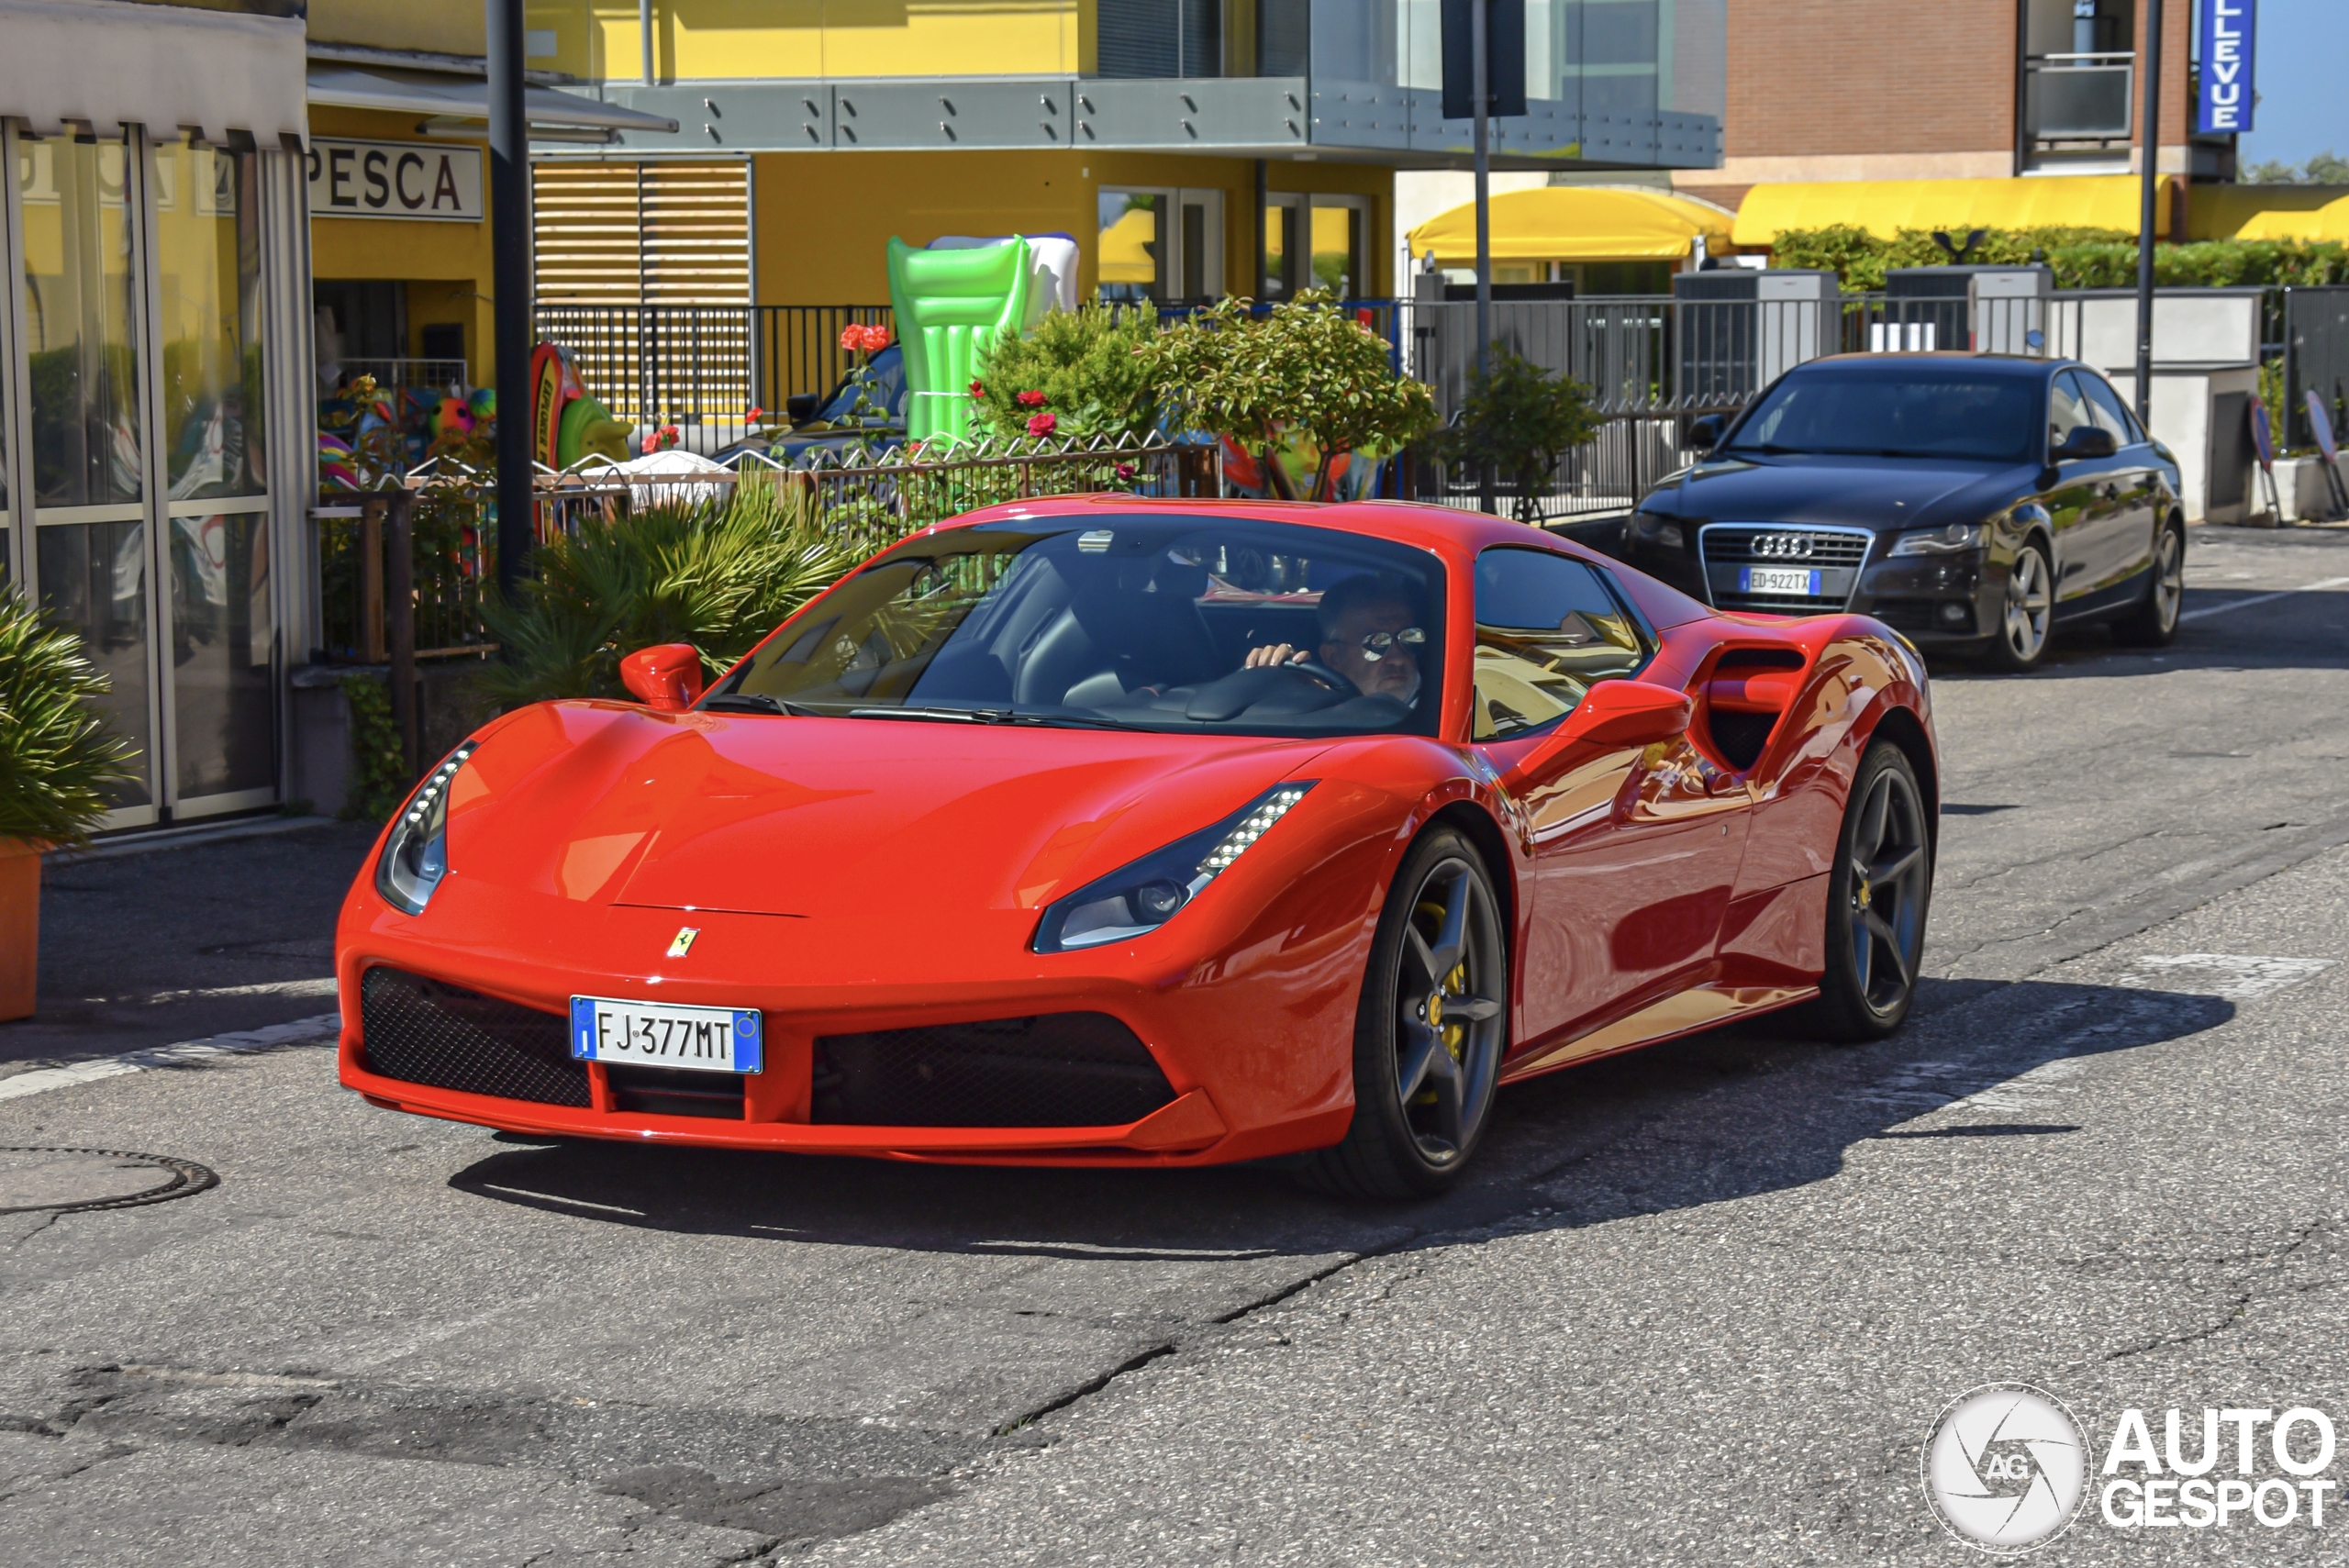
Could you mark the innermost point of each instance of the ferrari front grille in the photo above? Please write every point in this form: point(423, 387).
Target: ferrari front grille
point(1053, 1070)
point(445, 1036)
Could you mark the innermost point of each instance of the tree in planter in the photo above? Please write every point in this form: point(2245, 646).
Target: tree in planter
point(1072, 375)
point(57, 763)
point(1520, 419)
point(1306, 367)
point(720, 575)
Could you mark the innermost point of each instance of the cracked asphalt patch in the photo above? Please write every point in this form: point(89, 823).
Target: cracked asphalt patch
point(1697, 1303)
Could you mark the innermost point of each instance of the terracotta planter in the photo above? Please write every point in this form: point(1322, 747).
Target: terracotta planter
point(19, 927)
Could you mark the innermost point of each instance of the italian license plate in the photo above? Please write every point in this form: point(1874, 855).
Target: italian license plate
point(1778, 580)
point(657, 1034)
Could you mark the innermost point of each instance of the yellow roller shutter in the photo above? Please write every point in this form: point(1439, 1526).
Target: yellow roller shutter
point(642, 233)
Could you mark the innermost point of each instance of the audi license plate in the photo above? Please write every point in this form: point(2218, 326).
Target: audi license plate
point(1778, 580)
point(657, 1034)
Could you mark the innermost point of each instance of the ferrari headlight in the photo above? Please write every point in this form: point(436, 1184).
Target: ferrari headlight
point(416, 855)
point(1955, 540)
point(1139, 898)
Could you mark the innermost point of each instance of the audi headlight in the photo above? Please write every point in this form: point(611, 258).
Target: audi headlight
point(1955, 540)
point(416, 855)
point(1663, 532)
point(1139, 898)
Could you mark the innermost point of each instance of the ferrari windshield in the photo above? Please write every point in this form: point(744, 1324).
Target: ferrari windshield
point(1150, 621)
point(1897, 409)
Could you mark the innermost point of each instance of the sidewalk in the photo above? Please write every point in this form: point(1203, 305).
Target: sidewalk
point(158, 946)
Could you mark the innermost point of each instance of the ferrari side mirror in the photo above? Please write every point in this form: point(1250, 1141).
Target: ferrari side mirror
point(666, 678)
point(1628, 713)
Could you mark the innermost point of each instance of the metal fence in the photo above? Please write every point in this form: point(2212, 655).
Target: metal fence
point(703, 368)
point(2315, 355)
point(449, 518)
point(1632, 449)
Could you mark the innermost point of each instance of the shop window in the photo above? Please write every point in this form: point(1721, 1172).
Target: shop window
point(207, 234)
point(81, 299)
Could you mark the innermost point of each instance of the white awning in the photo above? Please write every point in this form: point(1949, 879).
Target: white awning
point(466, 98)
point(106, 63)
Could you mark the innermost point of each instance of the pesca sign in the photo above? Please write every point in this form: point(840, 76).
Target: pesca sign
point(2227, 27)
point(394, 179)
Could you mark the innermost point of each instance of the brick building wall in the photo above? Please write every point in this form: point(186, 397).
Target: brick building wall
point(1889, 89)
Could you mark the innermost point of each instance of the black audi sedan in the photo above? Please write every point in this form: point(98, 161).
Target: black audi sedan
point(1974, 503)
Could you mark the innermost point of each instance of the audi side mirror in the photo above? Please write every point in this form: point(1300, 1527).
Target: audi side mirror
point(1706, 430)
point(666, 678)
point(2086, 442)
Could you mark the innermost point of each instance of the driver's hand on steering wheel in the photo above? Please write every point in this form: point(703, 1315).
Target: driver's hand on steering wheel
point(1281, 653)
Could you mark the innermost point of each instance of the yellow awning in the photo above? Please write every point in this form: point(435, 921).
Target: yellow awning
point(1576, 223)
point(2330, 221)
point(1885, 207)
point(2258, 212)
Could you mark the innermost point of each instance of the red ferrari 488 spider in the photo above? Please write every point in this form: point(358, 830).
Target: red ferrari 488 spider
point(1100, 830)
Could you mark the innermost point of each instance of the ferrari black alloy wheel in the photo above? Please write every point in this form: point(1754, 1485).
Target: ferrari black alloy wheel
point(1428, 1040)
point(2153, 623)
point(1877, 900)
point(2027, 621)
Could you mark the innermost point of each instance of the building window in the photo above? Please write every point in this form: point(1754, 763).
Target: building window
point(1159, 38)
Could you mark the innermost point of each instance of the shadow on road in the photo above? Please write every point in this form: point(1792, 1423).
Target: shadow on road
point(1717, 1116)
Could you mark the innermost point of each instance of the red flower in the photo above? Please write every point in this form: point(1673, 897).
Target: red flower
point(1042, 424)
point(1125, 470)
point(977, 391)
point(856, 337)
point(1029, 400)
point(851, 338)
point(755, 415)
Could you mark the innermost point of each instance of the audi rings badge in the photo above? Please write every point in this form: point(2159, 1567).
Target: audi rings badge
point(1783, 546)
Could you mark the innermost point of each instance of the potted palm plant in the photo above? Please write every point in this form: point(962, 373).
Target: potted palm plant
point(56, 764)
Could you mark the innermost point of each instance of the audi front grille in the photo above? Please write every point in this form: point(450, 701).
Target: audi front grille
point(1729, 552)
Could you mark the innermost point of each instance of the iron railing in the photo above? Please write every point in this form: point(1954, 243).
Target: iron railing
point(869, 499)
point(703, 367)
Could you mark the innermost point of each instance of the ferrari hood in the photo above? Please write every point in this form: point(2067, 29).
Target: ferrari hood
point(610, 803)
point(1874, 493)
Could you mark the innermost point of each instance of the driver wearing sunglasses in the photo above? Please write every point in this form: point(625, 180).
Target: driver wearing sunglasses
point(1369, 635)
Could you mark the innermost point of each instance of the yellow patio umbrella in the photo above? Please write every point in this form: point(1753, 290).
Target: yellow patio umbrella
point(1576, 223)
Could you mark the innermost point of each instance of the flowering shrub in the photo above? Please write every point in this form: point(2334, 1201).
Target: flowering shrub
point(857, 338)
point(1043, 424)
point(1081, 365)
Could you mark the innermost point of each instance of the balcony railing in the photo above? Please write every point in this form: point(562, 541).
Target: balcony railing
point(2079, 97)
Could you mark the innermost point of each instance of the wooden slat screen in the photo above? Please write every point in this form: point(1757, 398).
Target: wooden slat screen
point(642, 233)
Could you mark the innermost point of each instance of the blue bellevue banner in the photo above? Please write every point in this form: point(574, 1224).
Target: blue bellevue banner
point(2226, 101)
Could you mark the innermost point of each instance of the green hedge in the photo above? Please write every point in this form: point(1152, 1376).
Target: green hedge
point(2082, 258)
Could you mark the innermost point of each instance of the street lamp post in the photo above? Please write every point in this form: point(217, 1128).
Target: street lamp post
point(1479, 33)
point(509, 216)
point(2151, 208)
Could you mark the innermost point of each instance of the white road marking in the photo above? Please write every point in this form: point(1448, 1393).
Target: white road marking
point(2262, 598)
point(2237, 977)
point(187, 1053)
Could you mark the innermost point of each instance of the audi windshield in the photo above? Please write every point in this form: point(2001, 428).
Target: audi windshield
point(1149, 622)
point(1928, 409)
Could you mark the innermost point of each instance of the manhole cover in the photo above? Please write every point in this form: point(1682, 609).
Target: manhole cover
point(66, 1180)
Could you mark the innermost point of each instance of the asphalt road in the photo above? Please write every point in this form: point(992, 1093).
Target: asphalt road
point(1701, 1304)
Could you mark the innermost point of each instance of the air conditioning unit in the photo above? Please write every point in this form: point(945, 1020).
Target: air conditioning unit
point(1741, 329)
point(1988, 310)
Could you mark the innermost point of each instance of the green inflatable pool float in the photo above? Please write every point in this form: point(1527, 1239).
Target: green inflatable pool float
point(950, 306)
